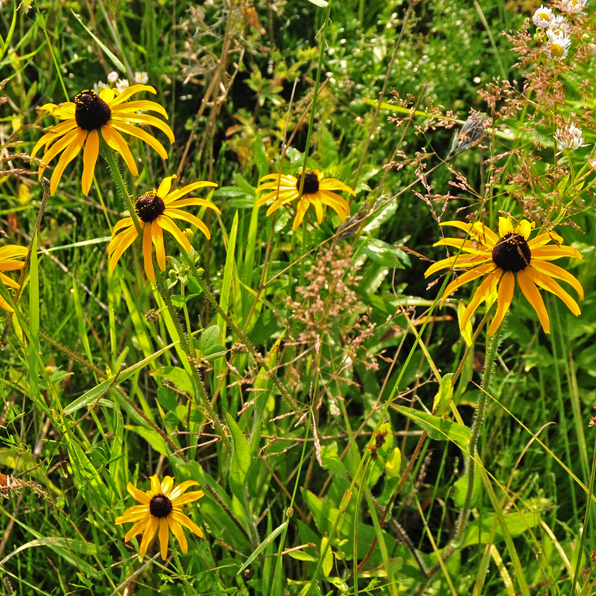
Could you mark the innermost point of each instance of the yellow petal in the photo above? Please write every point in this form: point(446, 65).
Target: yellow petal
point(144, 119)
point(89, 159)
point(524, 228)
point(505, 226)
point(166, 485)
point(190, 218)
point(164, 187)
point(503, 300)
point(333, 184)
point(69, 154)
point(551, 253)
point(157, 238)
point(147, 259)
point(545, 238)
point(485, 289)
point(559, 273)
point(137, 494)
point(182, 488)
point(545, 282)
point(179, 533)
point(466, 277)
point(188, 498)
point(461, 260)
point(185, 190)
point(117, 142)
point(530, 291)
point(301, 210)
point(167, 224)
point(155, 485)
point(187, 523)
point(138, 528)
point(148, 535)
point(164, 537)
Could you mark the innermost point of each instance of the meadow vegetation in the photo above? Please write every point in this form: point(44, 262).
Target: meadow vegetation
point(297, 297)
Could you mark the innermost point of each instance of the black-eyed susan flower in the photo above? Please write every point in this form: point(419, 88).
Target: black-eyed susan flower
point(500, 259)
point(157, 210)
point(160, 510)
point(90, 115)
point(317, 192)
point(10, 256)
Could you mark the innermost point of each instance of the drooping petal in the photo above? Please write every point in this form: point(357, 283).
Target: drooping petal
point(10, 251)
point(179, 533)
point(157, 238)
point(190, 218)
point(123, 223)
point(148, 535)
point(316, 203)
point(530, 291)
point(69, 154)
point(286, 196)
point(140, 104)
point(545, 282)
point(49, 155)
point(9, 282)
point(147, 259)
point(478, 231)
point(140, 134)
point(187, 523)
point(504, 298)
point(144, 119)
point(167, 224)
point(164, 537)
point(119, 245)
point(464, 278)
point(138, 528)
point(485, 289)
point(559, 273)
point(89, 159)
point(301, 210)
point(337, 203)
point(117, 142)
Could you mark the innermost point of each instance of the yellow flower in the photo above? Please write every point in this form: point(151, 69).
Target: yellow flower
point(157, 210)
point(9, 256)
point(317, 192)
point(91, 114)
point(161, 509)
point(501, 259)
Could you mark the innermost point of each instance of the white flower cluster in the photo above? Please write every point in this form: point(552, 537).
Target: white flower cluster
point(557, 28)
point(569, 138)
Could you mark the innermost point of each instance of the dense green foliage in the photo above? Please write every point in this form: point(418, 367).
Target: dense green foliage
point(324, 401)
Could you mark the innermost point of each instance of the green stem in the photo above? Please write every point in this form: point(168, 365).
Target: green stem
point(491, 355)
point(120, 185)
point(165, 294)
point(199, 279)
point(181, 574)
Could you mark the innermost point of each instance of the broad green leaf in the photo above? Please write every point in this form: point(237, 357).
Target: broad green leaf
point(300, 555)
point(478, 531)
point(385, 254)
point(438, 428)
point(393, 465)
point(327, 565)
point(331, 460)
point(167, 399)
point(177, 376)
point(155, 440)
point(461, 489)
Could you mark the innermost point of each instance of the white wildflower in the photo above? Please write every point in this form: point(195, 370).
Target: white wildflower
point(573, 6)
point(112, 76)
point(557, 45)
point(122, 84)
point(141, 77)
point(543, 17)
point(99, 86)
point(569, 138)
point(560, 25)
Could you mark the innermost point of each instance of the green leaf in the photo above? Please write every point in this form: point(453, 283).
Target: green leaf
point(331, 460)
point(327, 147)
point(385, 254)
point(444, 396)
point(263, 546)
point(393, 465)
point(438, 428)
point(176, 376)
point(300, 555)
point(327, 565)
point(478, 532)
point(241, 460)
point(154, 439)
point(167, 399)
point(380, 446)
point(208, 338)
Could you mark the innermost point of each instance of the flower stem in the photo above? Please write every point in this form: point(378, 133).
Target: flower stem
point(181, 574)
point(120, 185)
point(291, 402)
point(489, 366)
point(165, 294)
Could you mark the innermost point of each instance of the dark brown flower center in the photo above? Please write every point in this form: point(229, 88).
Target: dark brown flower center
point(149, 206)
point(311, 183)
point(512, 253)
point(91, 112)
point(160, 506)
